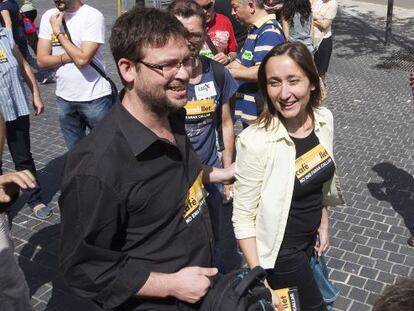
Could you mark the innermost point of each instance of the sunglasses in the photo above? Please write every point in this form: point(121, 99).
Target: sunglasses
point(208, 6)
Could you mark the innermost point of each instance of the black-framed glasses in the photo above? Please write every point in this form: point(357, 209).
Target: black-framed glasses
point(208, 6)
point(169, 70)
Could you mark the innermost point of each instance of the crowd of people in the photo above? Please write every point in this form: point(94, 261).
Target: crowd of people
point(146, 174)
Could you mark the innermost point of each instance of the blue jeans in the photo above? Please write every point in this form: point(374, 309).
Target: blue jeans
point(76, 117)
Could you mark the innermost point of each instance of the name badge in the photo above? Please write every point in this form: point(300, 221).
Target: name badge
point(205, 90)
point(247, 55)
point(3, 56)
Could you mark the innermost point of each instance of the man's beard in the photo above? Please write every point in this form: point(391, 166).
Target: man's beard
point(157, 102)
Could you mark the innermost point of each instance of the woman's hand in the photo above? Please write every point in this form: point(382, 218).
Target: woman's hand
point(275, 298)
point(322, 243)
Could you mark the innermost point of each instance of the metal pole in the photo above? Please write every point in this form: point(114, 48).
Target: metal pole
point(389, 22)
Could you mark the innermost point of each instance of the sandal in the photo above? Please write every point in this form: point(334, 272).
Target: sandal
point(42, 211)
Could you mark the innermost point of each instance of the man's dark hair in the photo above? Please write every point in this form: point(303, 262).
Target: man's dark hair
point(186, 9)
point(397, 297)
point(139, 28)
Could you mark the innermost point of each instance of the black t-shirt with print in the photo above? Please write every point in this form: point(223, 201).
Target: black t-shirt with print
point(314, 167)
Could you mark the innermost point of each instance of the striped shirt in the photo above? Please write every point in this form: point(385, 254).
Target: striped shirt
point(262, 37)
point(12, 93)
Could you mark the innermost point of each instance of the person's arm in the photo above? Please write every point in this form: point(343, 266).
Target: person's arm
point(6, 18)
point(189, 284)
point(244, 73)
point(285, 27)
point(323, 233)
point(30, 79)
point(45, 59)
point(81, 55)
point(228, 134)
point(215, 175)
point(323, 21)
point(412, 82)
point(11, 182)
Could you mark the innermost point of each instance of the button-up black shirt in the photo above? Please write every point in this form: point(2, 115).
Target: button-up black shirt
point(131, 204)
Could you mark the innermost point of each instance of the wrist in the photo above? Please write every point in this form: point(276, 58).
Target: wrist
point(57, 34)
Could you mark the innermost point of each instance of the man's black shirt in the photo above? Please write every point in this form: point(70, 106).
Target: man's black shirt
point(131, 204)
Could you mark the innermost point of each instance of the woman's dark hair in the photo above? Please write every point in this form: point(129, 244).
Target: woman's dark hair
point(186, 9)
point(291, 7)
point(300, 54)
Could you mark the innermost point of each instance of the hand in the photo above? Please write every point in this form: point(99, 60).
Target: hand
point(38, 106)
point(22, 179)
point(191, 283)
point(228, 191)
point(322, 243)
point(56, 22)
point(221, 58)
point(275, 298)
point(229, 174)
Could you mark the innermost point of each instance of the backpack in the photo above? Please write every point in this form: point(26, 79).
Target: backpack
point(240, 290)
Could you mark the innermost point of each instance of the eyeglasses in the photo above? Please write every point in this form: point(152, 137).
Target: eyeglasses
point(208, 6)
point(170, 70)
point(196, 35)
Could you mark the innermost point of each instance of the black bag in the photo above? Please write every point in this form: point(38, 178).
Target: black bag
point(114, 90)
point(240, 290)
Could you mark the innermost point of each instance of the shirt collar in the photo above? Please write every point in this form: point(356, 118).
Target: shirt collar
point(260, 22)
point(138, 136)
point(279, 131)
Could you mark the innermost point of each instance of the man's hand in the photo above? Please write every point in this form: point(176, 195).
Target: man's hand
point(190, 284)
point(10, 181)
point(38, 106)
point(56, 22)
point(221, 58)
point(412, 82)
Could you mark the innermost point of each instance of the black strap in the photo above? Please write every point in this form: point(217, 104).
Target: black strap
point(256, 274)
point(219, 77)
point(93, 65)
point(211, 46)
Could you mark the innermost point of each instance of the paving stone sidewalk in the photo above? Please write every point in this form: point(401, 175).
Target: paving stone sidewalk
point(374, 140)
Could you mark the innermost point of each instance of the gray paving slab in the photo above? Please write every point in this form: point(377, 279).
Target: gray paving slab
point(374, 112)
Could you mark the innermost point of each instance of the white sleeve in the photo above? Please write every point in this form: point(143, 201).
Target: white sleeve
point(94, 28)
point(45, 29)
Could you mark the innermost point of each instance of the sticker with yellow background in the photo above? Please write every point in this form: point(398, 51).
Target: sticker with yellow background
point(196, 199)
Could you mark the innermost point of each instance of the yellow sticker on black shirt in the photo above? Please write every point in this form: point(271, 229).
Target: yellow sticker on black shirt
point(196, 199)
point(311, 162)
point(3, 56)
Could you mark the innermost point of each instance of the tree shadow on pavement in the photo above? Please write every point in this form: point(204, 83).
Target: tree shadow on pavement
point(363, 34)
point(397, 188)
point(49, 178)
point(39, 261)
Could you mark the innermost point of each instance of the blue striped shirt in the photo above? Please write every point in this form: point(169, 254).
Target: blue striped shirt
point(12, 93)
point(262, 37)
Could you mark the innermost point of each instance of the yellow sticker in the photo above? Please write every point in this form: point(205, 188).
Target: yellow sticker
point(310, 160)
point(196, 199)
point(199, 107)
point(3, 56)
point(289, 298)
point(55, 40)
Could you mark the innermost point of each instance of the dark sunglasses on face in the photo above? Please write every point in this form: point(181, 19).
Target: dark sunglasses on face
point(208, 6)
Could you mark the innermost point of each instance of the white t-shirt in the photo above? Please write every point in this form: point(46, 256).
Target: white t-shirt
point(72, 83)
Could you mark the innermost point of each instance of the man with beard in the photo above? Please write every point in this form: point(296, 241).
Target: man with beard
point(83, 95)
point(136, 233)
